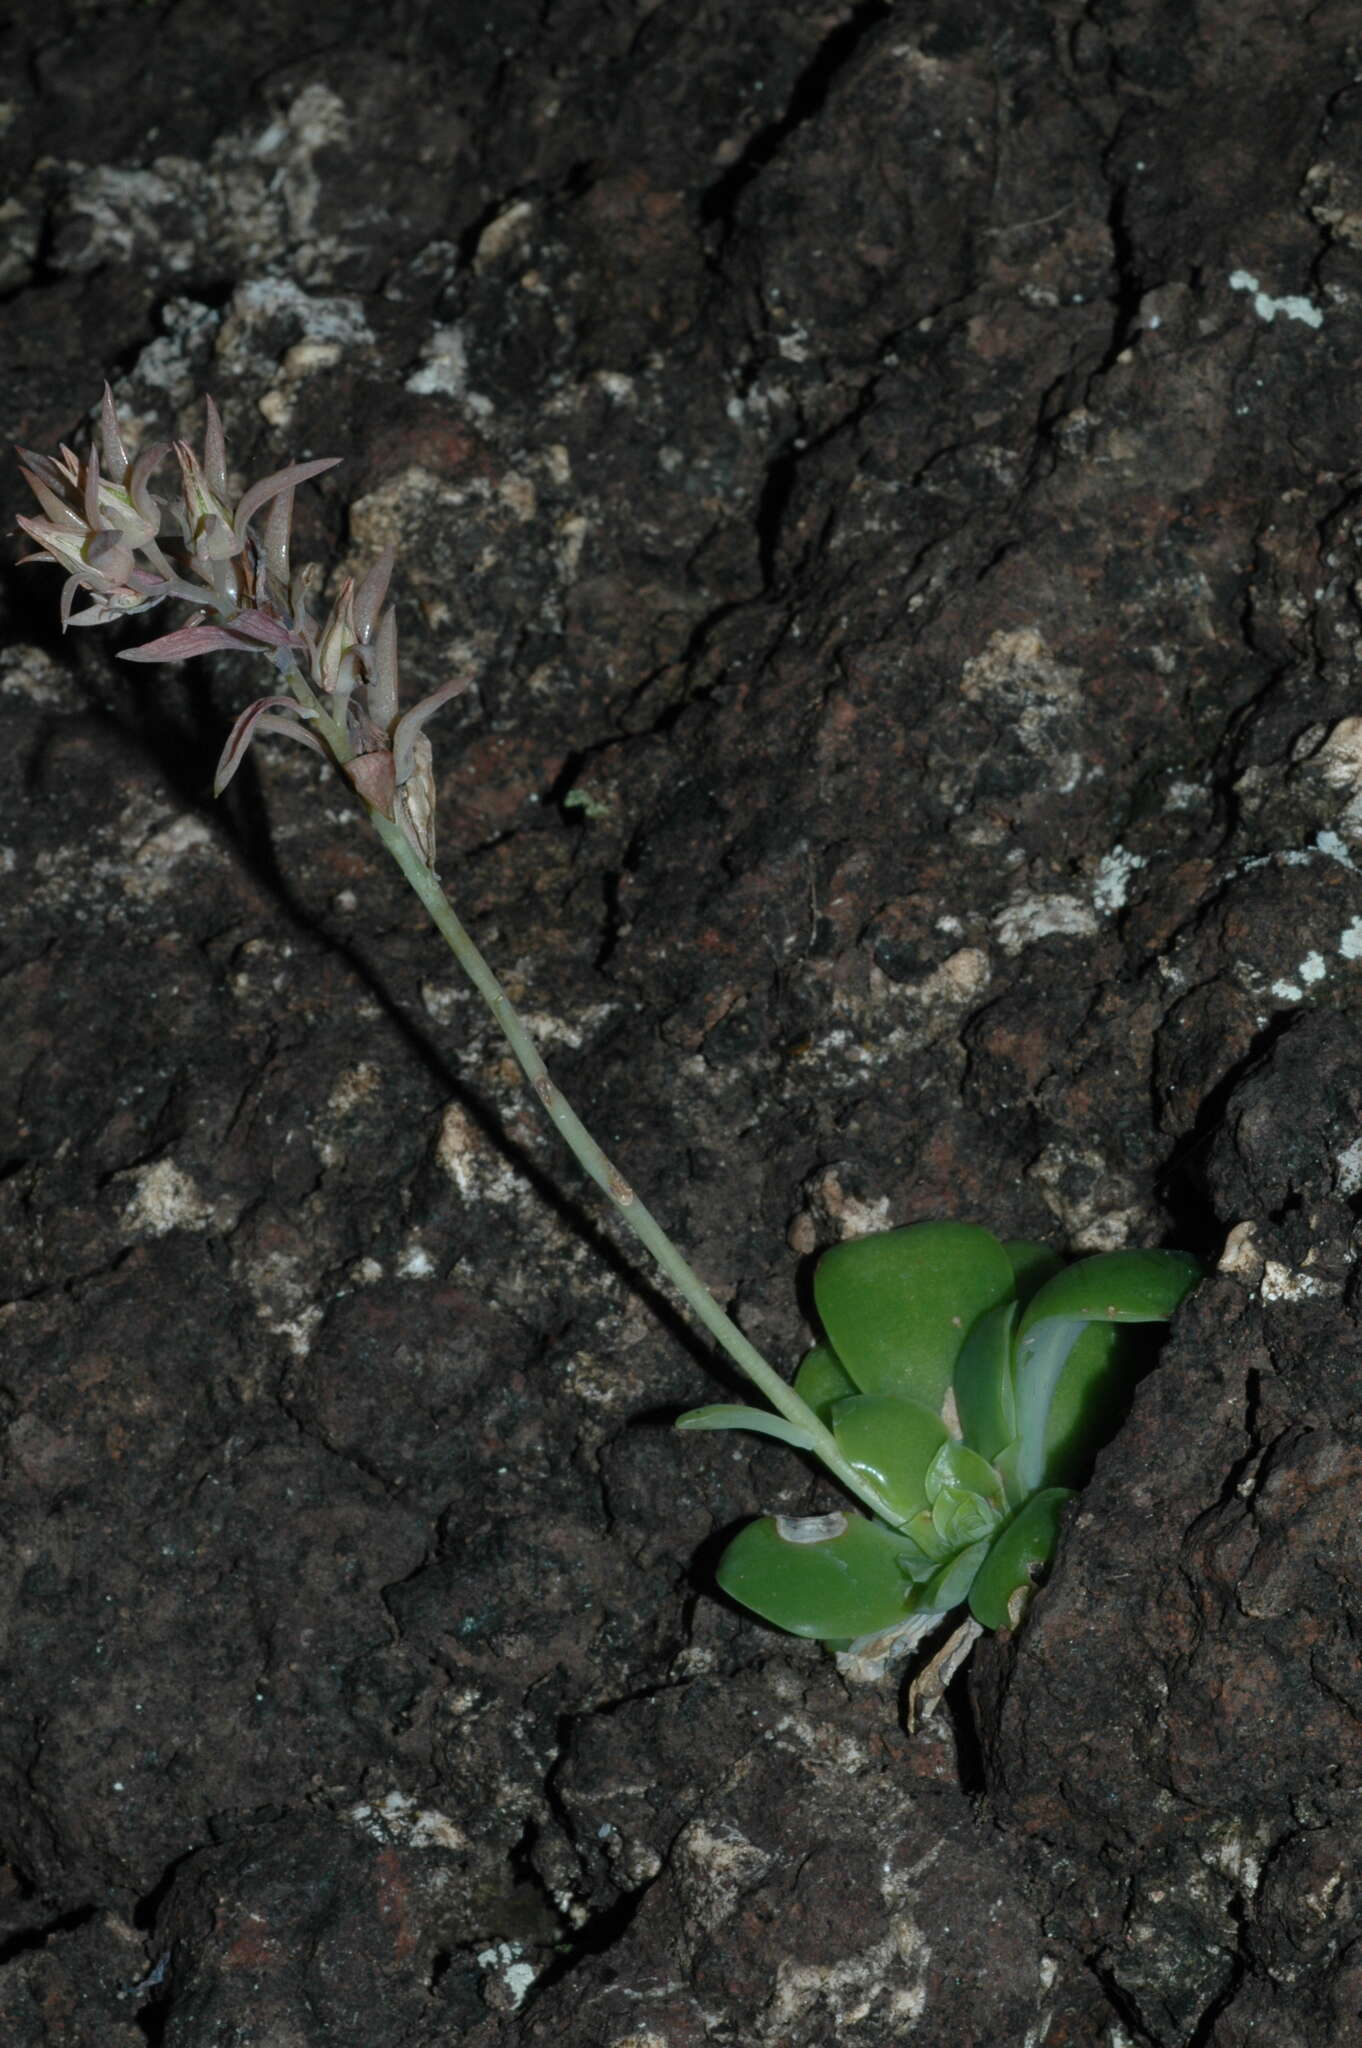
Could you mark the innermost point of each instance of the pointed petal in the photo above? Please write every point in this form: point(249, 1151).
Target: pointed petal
point(381, 666)
point(369, 596)
point(91, 499)
point(110, 555)
point(410, 724)
point(214, 450)
point(185, 642)
point(262, 716)
point(56, 508)
point(258, 625)
point(270, 486)
point(115, 454)
point(103, 611)
point(372, 775)
point(277, 538)
point(149, 459)
point(59, 543)
point(52, 473)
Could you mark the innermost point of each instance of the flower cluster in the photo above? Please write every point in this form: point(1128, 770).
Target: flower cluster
point(128, 550)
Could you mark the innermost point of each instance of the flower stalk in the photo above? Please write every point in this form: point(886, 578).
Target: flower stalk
point(108, 531)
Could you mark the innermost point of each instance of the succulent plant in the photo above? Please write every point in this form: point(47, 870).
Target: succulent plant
point(962, 1385)
point(969, 1383)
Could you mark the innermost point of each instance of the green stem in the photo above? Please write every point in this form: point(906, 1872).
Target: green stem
point(578, 1138)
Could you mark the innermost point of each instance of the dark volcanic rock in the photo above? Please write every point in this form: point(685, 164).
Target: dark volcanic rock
point(889, 476)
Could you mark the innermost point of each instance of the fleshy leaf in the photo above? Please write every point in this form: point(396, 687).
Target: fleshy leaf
point(822, 1379)
point(924, 1534)
point(893, 1443)
point(760, 1420)
point(951, 1584)
point(1032, 1265)
point(1023, 1548)
point(960, 1517)
point(1116, 1287)
point(985, 1403)
point(1092, 1398)
point(955, 1464)
point(837, 1588)
point(1110, 1288)
point(897, 1306)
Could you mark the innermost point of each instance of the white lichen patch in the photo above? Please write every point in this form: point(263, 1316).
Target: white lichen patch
point(479, 1173)
point(397, 1818)
point(406, 508)
point(546, 1029)
point(27, 672)
point(891, 1974)
point(1241, 1257)
point(152, 872)
point(1017, 663)
point(443, 372)
point(163, 1198)
point(1286, 1283)
point(1348, 1168)
point(957, 983)
point(1236, 1851)
point(1030, 918)
point(255, 199)
point(504, 1961)
point(1111, 884)
point(829, 1205)
point(324, 328)
point(603, 1380)
point(355, 1088)
point(1350, 940)
point(833, 1747)
point(714, 1865)
point(1293, 307)
point(507, 233)
point(1097, 1206)
point(1339, 762)
point(442, 1000)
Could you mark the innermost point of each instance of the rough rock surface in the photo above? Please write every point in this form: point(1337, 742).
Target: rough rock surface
point(890, 474)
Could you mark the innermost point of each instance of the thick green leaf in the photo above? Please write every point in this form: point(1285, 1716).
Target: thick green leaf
point(893, 1443)
point(821, 1380)
point(1115, 1287)
point(922, 1530)
point(952, 1583)
point(961, 1516)
point(1025, 1546)
point(898, 1306)
point(839, 1587)
point(1032, 1265)
point(1041, 1358)
point(760, 1420)
point(984, 1399)
point(955, 1464)
point(1092, 1397)
point(1110, 1288)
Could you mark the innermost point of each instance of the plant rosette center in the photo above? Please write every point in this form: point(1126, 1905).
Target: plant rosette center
point(967, 1384)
